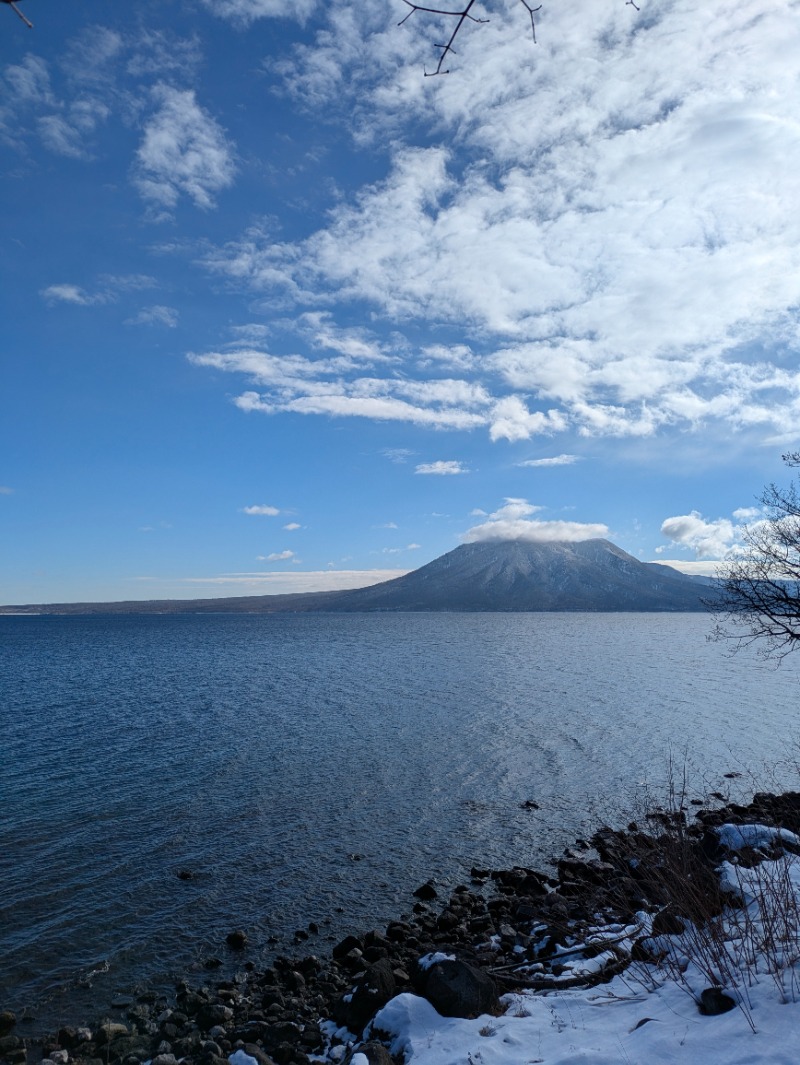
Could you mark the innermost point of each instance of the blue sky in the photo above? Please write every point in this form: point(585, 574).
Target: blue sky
point(281, 313)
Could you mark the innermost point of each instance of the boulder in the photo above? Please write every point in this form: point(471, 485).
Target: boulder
point(371, 993)
point(348, 944)
point(458, 989)
point(426, 892)
point(107, 1033)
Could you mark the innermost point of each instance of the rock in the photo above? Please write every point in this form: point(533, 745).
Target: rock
point(212, 963)
point(426, 892)
point(343, 948)
point(256, 1052)
point(371, 993)
point(714, 1001)
point(107, 1033)
point(376, 1053)
point(398, 931)
point(236, 940)
point(185, 874)
point(666, 923)
point(7, 1022)
point(213, 1014)
point(458, 989)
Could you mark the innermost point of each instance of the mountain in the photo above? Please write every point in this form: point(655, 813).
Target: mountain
point(512, 575)
point(591, 575)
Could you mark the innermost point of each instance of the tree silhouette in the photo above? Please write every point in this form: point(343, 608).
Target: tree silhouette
point(760, 587)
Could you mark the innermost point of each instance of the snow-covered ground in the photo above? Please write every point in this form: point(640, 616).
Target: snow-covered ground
point(614, 1024)
point(649, 1014)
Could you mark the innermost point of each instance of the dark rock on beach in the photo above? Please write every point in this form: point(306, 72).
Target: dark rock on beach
point(457, 989)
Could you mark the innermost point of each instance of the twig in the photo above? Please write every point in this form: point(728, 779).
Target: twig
point(531, 11)
point(14, 7)
point(462, 17)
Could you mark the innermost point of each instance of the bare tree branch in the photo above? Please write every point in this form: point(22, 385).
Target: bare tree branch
point(531, 11)
point(14, 7)
point(759, 599)
point(463, 15)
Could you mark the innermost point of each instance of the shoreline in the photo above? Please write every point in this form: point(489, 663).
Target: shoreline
point(517, 928)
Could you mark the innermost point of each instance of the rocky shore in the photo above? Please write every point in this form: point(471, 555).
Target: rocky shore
point(504, 931)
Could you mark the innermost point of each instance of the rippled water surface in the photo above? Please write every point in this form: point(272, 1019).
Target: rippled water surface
point(317, 768)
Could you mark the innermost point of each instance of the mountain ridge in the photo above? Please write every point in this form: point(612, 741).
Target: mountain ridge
point(495, 576)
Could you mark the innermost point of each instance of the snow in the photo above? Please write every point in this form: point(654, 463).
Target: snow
point(648, 1014)
point(428, 960)
point(615, 1023)
point(240, 1058)
point(734, 837)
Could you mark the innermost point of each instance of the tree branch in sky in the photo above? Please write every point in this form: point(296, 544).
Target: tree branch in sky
point(464, 14)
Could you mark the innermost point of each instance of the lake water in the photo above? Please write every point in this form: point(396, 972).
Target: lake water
point(318, 768)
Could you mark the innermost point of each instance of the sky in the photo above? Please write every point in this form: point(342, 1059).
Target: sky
point(280, 312)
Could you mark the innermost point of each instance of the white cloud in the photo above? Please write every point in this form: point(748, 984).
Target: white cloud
point(159, 53)
point(278, 583)
point(386, 525)
point(261, 509)
point(336, 386)
point(184, 151)
point(110, 285)
point(693, 568)
point(68, 293)
point(244, 12)
point(708, 539)
point(441, 468)
point(511, 420)
point(67, 131)
point(400, 550)
point(535, 531)
point(29, 81)
point(355, 343)
point(628, 264)
point(277, 556)
point(127, 282)
point(512, 522)
point(155, 315)
point(745, 514)
point(88, 57)
point(292, 526)
point(554, 460)
point(5, 490)
point(513, 509)
point(250, 332)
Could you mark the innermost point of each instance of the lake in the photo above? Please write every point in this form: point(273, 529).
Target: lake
point(317, 768)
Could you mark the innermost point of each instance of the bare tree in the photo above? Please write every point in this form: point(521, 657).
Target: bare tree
point(759, 598)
